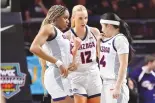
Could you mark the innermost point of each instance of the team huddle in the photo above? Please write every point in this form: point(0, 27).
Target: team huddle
point(83, 65)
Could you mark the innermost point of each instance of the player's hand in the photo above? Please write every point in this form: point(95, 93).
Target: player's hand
point(77, 42)
point(63, 71)
point(116, 93)
point(72, 67)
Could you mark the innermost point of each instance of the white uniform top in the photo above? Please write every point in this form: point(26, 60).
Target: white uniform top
point(59, 47)
point(86, 55)
point(109, 51)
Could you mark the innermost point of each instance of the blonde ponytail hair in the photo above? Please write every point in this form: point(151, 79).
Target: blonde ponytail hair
point(74, 10)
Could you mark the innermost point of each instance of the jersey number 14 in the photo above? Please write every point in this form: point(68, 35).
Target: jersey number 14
point(102, 61)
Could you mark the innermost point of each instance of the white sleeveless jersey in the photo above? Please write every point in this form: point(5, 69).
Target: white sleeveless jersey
point(109, 51)
point(59, 47)
point(86, 55)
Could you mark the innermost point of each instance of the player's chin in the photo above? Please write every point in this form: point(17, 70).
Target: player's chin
point(64, 28)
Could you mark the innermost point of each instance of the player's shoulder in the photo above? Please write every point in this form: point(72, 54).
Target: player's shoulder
point(47, 29)
point(94, 29)
point(121, 38)
point(68, 34)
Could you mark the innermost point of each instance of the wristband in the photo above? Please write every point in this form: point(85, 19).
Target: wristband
point(58, 63)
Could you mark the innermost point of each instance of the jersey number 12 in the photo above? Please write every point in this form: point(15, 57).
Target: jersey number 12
point(85, 57)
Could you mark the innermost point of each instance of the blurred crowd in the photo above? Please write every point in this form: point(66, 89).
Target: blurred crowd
point(129, 8)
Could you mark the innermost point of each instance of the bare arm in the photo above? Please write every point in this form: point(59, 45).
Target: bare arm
point(123, 58)
point(98, 47)
point(122, 46)
point(77, 44)
point(96, 33)
point(40, 39)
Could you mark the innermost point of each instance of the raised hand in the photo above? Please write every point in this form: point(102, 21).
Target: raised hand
point(77, 42)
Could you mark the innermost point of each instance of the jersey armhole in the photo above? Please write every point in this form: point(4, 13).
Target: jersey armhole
point(113, 44)
point(50, 38)
point(93, 35)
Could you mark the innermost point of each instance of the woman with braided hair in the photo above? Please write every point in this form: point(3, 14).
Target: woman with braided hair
point(56, 52)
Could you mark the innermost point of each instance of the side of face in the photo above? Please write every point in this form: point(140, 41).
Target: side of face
point(105, 28)
point(153, 65)
point(63, 20)
point(80, 18)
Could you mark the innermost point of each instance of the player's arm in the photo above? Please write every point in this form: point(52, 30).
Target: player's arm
point(122, 46)
point(36, 46)
point(123, 58)
point(96, 33)
point(98, 47)
point(77, 44)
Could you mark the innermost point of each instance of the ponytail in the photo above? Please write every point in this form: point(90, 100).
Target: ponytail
point(125, 29)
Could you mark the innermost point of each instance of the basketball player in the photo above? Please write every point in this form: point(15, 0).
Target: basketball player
point(145, 80)
point(85, 80)
point(56, 51)
point(113, 55)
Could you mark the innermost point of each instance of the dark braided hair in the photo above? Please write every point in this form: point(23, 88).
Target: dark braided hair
point(53, 13)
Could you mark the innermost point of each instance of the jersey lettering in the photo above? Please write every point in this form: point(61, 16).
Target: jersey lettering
point(105, 49)
point(87, 45)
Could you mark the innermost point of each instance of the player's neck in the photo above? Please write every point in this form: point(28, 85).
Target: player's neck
point(80, 31)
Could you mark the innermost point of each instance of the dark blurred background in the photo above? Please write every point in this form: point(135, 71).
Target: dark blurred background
point(139, 14)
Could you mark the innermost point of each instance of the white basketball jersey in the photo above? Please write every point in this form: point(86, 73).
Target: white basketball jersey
point(109, 61)
point(59, 47)
point(86, 55)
